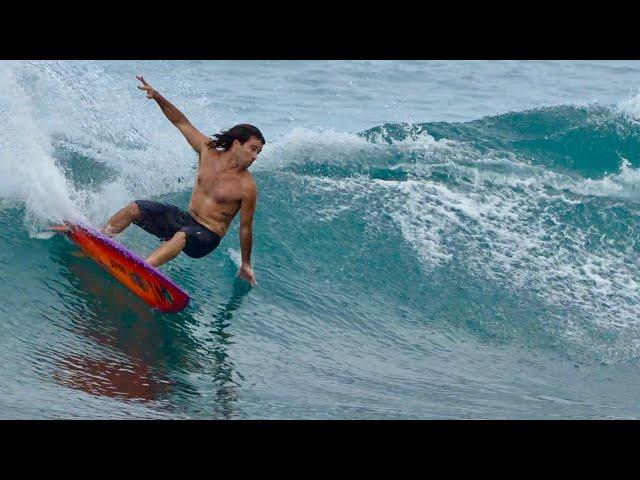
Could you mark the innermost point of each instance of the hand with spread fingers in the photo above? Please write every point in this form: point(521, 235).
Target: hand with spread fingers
point(146, 87)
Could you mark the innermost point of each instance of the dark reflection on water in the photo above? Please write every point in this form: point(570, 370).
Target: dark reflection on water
point(143, 355)
point(221, 371)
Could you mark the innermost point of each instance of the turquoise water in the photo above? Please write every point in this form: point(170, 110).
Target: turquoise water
point(432, 240)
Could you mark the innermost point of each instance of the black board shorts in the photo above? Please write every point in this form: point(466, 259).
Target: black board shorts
point(165, 220)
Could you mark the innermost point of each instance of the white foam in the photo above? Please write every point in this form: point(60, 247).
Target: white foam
point(630, 107)
point(28, 172)
point(519, 238)
point(624, 185)
point(44, 235)
point(235, 256)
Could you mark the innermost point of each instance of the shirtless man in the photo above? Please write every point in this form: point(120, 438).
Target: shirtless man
point(223, 187)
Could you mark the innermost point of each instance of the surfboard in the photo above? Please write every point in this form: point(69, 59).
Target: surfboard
point(144, 280)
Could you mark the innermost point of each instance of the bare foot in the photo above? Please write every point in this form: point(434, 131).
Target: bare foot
point(108, 230)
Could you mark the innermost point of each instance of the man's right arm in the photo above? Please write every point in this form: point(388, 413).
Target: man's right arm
point(196, 139)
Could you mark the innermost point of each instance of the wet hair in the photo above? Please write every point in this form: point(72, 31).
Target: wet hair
point(242, 133)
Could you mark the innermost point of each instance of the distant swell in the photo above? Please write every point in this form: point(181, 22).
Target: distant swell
point(589, 141)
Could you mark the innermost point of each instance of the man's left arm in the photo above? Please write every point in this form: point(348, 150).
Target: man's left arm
point(247, 210)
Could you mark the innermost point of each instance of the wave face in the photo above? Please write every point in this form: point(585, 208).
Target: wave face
point(484, 268)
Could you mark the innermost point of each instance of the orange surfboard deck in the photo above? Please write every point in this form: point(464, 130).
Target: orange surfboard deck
point(147, 282)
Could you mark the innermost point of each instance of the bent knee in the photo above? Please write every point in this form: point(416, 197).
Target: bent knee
point(180, 238)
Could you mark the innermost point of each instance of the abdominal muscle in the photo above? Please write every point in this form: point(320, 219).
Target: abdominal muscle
point(215, 200)
point(213, 215)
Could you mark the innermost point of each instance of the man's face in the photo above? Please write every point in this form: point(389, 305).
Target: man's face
point(248, 152)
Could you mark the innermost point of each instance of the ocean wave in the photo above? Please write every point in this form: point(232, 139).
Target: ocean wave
point(538, 207)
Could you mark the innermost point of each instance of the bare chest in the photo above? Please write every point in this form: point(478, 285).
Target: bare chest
point(218, 186)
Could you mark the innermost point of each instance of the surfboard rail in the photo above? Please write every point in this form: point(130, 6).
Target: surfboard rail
point(141, 278)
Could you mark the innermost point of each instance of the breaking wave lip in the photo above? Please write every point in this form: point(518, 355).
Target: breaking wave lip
point(587, 141)
point(622, 185)
point(27, 168)
point(630, 107)
point(304, 146)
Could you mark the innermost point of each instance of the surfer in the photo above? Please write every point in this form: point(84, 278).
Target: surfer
point(223, 187)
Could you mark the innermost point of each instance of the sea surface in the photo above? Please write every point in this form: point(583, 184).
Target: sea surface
point(433, 240)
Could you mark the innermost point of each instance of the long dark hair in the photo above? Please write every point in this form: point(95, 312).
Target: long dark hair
point(241, 132)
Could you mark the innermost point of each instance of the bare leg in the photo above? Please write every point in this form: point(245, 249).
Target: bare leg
point(121, 220)
point(168, 250)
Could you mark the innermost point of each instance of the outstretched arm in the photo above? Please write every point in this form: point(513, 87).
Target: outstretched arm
point(247, 209)
point(196, 139)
